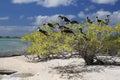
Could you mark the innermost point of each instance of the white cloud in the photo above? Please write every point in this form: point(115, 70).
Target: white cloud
point(4, 18)
point(23, 1)
point(91, 7)
point(43, 19)
point(46, 3)
point(55, 3)
point(114, 16)
point(104, 1)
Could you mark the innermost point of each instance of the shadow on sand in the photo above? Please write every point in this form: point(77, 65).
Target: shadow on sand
point(75, 72)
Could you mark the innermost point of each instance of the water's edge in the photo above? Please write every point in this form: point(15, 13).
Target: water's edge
point(10, 53)
point(12, 47)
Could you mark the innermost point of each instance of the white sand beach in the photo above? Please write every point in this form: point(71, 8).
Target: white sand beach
point(57, 69)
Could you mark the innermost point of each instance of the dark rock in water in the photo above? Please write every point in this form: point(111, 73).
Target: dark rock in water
point(7, 72)
point(22, 75)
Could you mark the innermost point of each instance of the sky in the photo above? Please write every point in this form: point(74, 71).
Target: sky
point(18, 17)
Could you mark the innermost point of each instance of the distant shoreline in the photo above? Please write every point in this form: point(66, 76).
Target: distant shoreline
point(10, 37)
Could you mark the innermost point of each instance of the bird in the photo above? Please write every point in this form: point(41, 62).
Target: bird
point(107, 19)
point(88, 20)
point(81, 31)
point(67, 31)
point(49, 25)
point(42, 31)
point(99, 21)
point(84, 35)
point(74, 22)
point(64, 19)
point(61, 27)
point(64, 29)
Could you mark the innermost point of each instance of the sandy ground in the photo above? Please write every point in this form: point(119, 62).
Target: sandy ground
point(58, 69)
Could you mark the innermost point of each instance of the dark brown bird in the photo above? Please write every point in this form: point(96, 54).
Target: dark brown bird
point(42, 31)
point(81, 31)
point(67, 31)
point(74, 22)
point(64, 19)
point(89, 20)
point(84, 35)
point(49, 24)
point(61, 27)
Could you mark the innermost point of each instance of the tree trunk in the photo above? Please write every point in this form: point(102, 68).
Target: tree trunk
point(89, 59)
point(92, 60)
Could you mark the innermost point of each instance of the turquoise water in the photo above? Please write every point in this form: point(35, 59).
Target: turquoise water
point(12, 44)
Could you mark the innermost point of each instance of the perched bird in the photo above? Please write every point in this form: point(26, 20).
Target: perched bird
point(88, 20)
point(81, 31)
point(61, 27)
point(67, 20)
point(42, 31)
point(64, 19)
point(99, 21)
point(49, 24)
point(67, 31)
point(107, 19)
point(64, 29)
point(74, 22)
point(84, 35)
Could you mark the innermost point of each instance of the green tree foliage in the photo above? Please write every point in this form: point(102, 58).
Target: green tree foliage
point(95, 40)
point(41, 44)
point(100, 42)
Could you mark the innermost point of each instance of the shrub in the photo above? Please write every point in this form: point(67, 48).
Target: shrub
point(95, 39)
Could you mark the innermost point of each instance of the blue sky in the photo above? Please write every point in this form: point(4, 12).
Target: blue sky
point(18, 17)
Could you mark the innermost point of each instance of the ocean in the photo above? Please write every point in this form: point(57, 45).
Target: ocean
point(12, 46)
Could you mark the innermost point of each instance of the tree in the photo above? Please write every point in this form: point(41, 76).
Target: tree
point(90, 41)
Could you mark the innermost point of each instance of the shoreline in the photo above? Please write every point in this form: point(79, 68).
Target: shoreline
point(12, 53)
